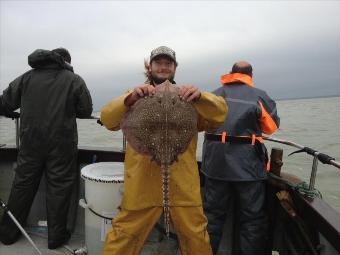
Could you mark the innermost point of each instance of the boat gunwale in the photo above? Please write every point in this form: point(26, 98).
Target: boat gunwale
point(316, 212)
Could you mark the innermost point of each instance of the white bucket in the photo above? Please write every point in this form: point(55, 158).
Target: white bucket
point(103, 194)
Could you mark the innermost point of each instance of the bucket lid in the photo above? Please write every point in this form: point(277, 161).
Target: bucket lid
point(108, 172)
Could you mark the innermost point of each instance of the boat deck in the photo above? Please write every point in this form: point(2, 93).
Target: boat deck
point(151, 247)
point(23, 247)
point(320, 221)
point(156, 243)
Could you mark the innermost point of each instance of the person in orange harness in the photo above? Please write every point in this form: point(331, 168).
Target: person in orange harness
point(142, 201)
point(234, 161)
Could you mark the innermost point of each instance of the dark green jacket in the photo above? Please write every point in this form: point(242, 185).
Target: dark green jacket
point(50, 97)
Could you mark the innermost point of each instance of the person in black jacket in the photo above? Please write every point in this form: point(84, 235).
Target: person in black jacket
point(234, 161)
point(50, 97)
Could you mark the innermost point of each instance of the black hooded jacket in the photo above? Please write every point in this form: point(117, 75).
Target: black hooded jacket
point(50, 97)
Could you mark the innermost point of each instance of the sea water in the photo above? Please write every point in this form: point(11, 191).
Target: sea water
point(310, 122)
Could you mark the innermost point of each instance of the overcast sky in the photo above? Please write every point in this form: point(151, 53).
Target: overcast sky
point(294, 46)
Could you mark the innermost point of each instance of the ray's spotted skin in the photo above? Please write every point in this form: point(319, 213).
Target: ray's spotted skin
point(161, 126)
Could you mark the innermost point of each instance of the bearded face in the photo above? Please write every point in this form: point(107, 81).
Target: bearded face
point(161, 69)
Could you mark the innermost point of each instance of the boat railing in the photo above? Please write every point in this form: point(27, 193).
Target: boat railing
point(100, 123)
point(317, 156)
point(16, 117)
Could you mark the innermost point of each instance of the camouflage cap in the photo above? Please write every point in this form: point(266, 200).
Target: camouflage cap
point(163, 50)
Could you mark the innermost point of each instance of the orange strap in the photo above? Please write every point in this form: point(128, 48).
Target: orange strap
point(268, 166)
point(237, 77)
point(224, 135)
point(253, 137)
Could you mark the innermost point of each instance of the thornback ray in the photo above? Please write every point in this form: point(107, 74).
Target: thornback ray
point(161, 126)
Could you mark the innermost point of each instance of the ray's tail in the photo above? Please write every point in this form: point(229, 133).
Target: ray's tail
point(166, 200)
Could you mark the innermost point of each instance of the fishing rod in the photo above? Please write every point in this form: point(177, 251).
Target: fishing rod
point(317, 156)
point(324, 158)
point(5, 208)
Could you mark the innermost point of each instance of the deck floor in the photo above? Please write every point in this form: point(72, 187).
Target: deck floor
point(23, 247)
point(39, 234)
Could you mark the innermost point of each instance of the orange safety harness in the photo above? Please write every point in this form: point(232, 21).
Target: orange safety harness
point(224, 138)
point(253, 139)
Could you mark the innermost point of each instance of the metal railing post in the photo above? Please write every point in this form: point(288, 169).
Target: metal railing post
point(313, 173)
point(124, 143)
point(17, 132)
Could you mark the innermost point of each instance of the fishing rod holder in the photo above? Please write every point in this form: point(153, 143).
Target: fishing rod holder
point(317, 156)
point(314, 170)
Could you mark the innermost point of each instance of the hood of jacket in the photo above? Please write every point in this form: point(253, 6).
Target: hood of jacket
point(46, 59)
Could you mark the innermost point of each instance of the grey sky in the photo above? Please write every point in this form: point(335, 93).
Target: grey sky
point(294, 46)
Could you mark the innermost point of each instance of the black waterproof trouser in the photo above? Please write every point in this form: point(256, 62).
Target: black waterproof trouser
point(250, 210)
point(60, 168)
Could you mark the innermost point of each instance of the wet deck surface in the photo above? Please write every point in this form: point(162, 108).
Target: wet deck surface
point(22, 247)
point(155, 245)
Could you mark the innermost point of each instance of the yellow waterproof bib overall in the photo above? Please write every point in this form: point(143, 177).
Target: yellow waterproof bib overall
point(142, 200)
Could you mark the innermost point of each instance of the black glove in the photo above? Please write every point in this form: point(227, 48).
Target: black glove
point(12, 115)
point(4, 111)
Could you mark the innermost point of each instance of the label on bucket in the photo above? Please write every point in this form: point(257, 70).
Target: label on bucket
point(106, 224)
